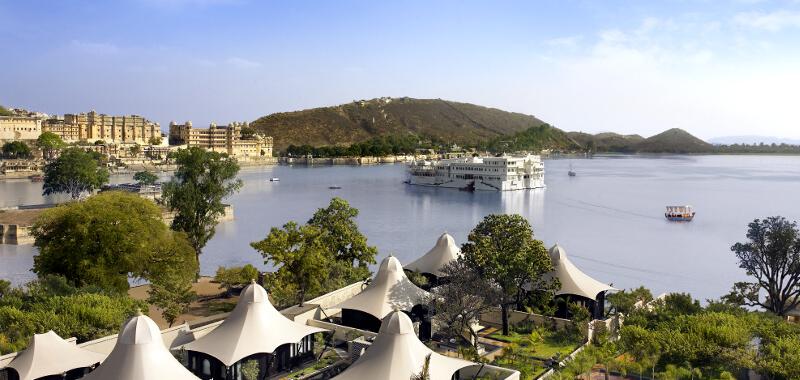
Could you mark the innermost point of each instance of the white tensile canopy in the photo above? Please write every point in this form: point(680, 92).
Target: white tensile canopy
point(253, 327)
point(140, 354)
point(47, 354)
point(397, 354)
point(573, 280)
point(390, 290)
point(440, 255)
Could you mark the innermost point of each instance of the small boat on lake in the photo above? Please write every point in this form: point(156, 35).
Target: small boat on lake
point(571, 172)
point(334, 187)
point(679, 213)
point(274, 179)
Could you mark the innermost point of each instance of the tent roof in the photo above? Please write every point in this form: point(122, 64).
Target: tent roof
point(254, 326)
point(442, 253)
point(140, 354)
point(47, 354)
point(397, 354)
point(389, 290)
point(573, 280)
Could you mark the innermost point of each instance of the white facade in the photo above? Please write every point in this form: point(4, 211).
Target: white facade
point(480, 173)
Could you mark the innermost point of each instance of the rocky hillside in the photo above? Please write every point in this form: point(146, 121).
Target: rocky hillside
point(673, 140)
point(359, 121)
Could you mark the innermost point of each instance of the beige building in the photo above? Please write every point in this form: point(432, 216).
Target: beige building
point(93, 126)
point(22, 125)
point(223, 139)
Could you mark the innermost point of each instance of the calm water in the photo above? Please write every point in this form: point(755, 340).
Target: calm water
point(609, 218)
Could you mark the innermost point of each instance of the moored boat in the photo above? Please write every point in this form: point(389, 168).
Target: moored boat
point(274, 179)
point(680, 213)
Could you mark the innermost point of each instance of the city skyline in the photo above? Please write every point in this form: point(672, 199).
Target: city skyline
point(714, 69)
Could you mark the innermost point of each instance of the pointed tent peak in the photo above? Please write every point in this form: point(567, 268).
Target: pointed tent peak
point(390, 264)
point(253, 293)
point(445, 238)
point(443, 252)
point(397, 323)
point(139, 330)
point(557, 252)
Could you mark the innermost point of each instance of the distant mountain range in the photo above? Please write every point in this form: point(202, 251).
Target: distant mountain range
point(448, 122)
point(752, 139)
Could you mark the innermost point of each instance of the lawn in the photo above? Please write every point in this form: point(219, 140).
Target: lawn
point(527, 349)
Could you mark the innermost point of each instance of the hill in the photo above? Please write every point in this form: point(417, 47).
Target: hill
point(752, 140)
point(359, 121)
point(534, 139)
point(673, 140)
point(4, 111)
point(607, 141)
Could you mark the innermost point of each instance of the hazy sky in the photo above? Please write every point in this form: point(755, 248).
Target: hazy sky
point(714, 68)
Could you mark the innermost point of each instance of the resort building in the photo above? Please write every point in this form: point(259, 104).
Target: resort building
point(140, 354)
point(576, 286)
point(50, 355)
point(254, 335)
point(22, 125)
point(95, 126)
point(480, 173)
point(397, 354)
point(223, 139)
point(431, 263)
point(390, 290)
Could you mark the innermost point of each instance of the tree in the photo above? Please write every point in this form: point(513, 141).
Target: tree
point(772, 257)
point(203, 179)
point(460, 301)
point(49, 143)
point(172, 293)
point(5, 112)
point(345, 243)
point(16, 149)
point(236, 277)
point(624, 301)
point(107, 239)
point(502, 249)
point(135, 150)
point(74, 172)
point(298, 253)
point(425, 372)
point(145, 178)
point(155, 140)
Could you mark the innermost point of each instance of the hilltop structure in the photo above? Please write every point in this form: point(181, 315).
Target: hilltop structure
point(21, 125)
point(223, 139)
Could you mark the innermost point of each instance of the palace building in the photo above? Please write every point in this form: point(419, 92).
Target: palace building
point(93, 126)
point(223, 139)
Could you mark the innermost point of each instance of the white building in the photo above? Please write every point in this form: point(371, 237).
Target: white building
point(480, 173)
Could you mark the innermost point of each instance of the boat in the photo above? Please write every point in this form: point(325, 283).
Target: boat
point(679, 213)
point(571, 172)
point(274, 179)
point(334, 187)
point(501, 173)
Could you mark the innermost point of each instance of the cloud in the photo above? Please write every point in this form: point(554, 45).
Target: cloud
point(564, 42)
point(242, 63)
point(773, 21)
point(95, 48)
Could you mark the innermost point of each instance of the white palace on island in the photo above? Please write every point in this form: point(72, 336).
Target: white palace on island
point(376, 329)
point(480, 173)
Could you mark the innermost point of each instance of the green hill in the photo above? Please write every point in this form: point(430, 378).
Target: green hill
point(4, 111)
point(359, 121)
point(674, 140)
point(535, 139)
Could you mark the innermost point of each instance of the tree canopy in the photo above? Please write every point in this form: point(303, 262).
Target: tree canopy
point(203, 179)
point(74, 172)
point(772, 258)
point(49, 142)
point(145, 177)
point(502, 249)
point(52, 303)
point(16, 149)
point(299, 255)
point(108, 238)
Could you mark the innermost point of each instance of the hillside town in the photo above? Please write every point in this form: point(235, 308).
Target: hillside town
point(124, 141)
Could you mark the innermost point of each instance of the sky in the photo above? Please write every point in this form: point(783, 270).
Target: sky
point(714, 68)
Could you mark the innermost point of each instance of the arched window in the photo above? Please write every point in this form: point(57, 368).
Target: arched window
point(206, 367)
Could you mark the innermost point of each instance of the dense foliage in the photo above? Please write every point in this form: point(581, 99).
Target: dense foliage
point(145, 178)
point(49, 143)
point(676, 338)
point(16, 149)
point(74, 172)
point(327, 253)
point(501, 248)
point(236, 277)
point(533, 139)
point(377, 146)
point(52, 303)
point(203, 179)
point(108, 238)
point(5, 112)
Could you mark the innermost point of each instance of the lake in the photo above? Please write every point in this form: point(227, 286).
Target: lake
point(609, 218)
